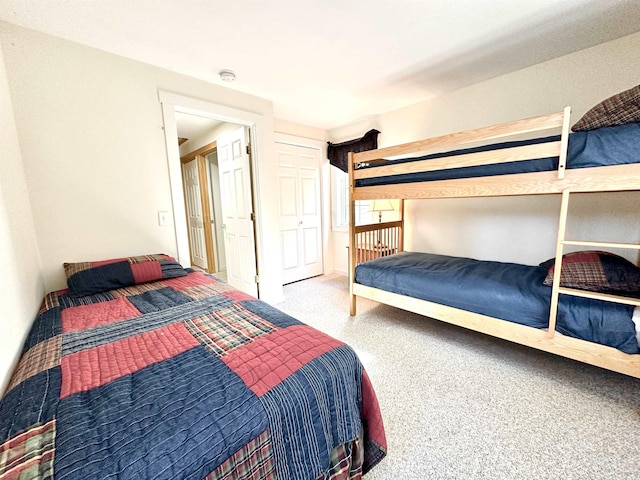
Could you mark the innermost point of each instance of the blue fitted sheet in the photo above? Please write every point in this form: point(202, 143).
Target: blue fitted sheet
point(507, 291)
point(594, 148)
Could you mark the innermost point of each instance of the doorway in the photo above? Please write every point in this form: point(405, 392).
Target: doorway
point(172, 103)
point(202, 192)
point(234, 193)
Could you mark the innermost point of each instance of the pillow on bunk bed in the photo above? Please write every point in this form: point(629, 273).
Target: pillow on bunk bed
point(596, 271)
point(623, 107)
point(88, 278)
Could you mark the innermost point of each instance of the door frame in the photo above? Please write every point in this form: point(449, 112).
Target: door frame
point(171, 103)
point(325, 194)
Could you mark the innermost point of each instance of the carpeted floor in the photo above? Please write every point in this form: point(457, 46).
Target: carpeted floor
point(458, 404)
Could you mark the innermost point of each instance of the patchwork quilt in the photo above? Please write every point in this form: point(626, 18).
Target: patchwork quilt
point(185, 378)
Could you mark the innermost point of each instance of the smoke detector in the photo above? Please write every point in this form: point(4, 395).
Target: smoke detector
point(227, 75)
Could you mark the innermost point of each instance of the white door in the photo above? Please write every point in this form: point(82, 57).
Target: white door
point(195, 220)
point(237, 211)
point(300, 211)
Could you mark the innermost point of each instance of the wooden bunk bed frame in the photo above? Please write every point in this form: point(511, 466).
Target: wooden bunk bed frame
point(561, 182)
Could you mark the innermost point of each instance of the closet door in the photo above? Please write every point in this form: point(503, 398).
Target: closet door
point(195, 219)
point(300, 211)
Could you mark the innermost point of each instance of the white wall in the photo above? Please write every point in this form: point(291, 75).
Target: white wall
point(519, 229)
point(90, 124)
point(20, 282)
point(299, 130)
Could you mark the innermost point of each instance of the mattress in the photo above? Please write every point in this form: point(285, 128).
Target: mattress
point(594, 148)
point(185, 378)
point(507, 291)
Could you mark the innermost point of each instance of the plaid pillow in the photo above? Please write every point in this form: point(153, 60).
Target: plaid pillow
point(616, 110)
point(596, 271)
point(88, 278)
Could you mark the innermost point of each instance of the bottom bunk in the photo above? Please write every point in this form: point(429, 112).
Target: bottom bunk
point(508, 301)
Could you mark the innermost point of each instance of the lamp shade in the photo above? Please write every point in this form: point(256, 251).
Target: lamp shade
point(383, 205)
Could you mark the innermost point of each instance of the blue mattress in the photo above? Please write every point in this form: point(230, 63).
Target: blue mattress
point(605, 146)
point(506, 291)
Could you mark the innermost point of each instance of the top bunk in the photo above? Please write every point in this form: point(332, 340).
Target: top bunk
point(530, 156)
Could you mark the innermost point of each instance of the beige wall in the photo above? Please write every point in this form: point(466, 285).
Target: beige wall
point(91, 128)
point(20, 281)
point(518, 229)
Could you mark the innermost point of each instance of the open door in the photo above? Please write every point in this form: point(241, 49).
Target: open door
point(237, 210)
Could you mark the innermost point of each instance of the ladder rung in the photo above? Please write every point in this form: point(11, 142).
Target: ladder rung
point(601, 244)
point(600, 296)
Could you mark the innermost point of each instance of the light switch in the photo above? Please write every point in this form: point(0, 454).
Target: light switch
point(163, 219)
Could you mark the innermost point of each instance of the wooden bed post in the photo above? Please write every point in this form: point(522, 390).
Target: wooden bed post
point(352, 238)
point(555, 292)
point(401, 230)
point(564, 142)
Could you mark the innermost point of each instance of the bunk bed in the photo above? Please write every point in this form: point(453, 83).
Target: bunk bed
point(536, 306)
point(144, 369)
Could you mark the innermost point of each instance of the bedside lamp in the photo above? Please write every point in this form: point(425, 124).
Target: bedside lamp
point(380, 206)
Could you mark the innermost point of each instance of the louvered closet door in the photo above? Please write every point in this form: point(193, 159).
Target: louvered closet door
point(300, 211)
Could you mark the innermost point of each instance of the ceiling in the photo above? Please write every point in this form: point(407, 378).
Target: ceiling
point(325, 63)
point(192, 126)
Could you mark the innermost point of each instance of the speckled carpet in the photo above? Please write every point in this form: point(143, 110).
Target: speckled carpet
point(461, 405)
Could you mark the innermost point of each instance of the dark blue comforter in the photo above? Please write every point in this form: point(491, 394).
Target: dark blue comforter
point(507, 291)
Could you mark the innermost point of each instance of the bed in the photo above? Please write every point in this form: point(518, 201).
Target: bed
point(143, 369)
point(507, 291)
point(556, 306)
point(615, 145)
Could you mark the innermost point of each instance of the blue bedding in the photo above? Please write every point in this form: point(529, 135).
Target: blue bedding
point(506, 291)
point(594, 148)
point(184, 378)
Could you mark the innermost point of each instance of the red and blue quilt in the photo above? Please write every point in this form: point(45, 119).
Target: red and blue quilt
point(185, 378)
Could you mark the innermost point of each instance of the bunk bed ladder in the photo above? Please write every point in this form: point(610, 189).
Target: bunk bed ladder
point(557, 289)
